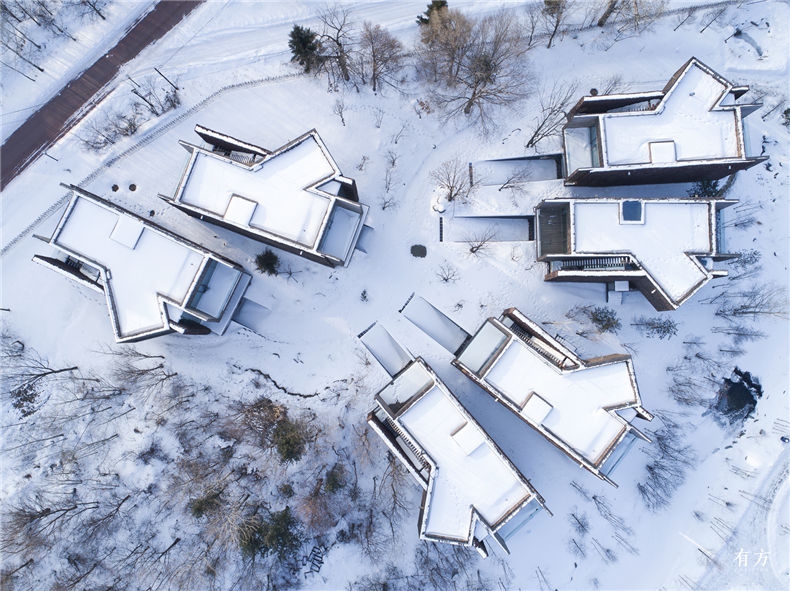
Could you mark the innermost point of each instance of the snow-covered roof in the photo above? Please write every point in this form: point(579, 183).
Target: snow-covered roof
point(666, 243)
point(147, 273)
point(289, 195)
point(568, 400)
point(689, 122)
point(469, 477)
point(686, 124)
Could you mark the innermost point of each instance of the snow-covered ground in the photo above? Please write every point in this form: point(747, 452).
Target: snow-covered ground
point(232, 63)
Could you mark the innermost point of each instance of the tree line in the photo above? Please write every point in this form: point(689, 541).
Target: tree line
point(471, 65)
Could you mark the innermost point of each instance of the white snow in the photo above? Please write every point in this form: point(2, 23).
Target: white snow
point(469, 472)
point(278, 188)
point(672, 232)
point(578, 399)
point(390, 354)
point(141, 266)
point(306, 339)
point(687, 116)
point(340, 230)
point(156, 265)
point(580, 142)
point(443, 330)
point(413, 381)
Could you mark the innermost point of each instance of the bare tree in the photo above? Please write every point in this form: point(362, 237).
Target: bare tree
point(134, 370)
point(740, 333)
point(23, 374)
point(515, 180)
point(339, 109)
point(479, 241)
point(336, 41)
point(555, 16)
point(378, 116)
point(489, 72)
point(51, 21)
point(158, 99)
point(445, 41)
point(532, 23)
point(88, 8)
point(389, 179)
point(632, 17)
point(44, 13)
point(610, 6)
point(315, 511)
point(233, 522)
point(666, 471)
point(390, 492)
point(380, 55)
point(447, 273)
point(453, 179)
point(553, 109)
point(18, 45)
point(392, 158)
point(764, 300)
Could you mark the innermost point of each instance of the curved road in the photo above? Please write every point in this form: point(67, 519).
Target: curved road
point(54, 119)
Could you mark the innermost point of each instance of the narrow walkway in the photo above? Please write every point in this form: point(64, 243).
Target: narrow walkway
point(53, 120)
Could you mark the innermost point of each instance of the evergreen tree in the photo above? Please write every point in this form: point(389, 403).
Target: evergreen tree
point(305, 48)
point(267, 262)
point(435, 5)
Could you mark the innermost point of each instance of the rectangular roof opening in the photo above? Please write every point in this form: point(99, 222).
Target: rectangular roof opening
point(631, 212)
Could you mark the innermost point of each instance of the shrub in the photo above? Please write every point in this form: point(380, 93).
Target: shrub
point(289, 440)
point(605, 319)
point(656, 327)
point(286, 489)
point(268, 262)
point(335, 478)
point(435, 5)
point(280, 533)
point(209, 502)
point(708, 188)
point(305, 48)
point(262, 416)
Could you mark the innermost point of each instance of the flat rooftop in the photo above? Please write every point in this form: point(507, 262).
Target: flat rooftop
point(687, 125)
point(275, 196)
point(664, 242)
point(469, 471)
point(143, 266)
point(569, 404)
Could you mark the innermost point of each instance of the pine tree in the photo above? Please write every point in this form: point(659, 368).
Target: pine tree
point(305, 47)
point(435, 5)
point(268, 262)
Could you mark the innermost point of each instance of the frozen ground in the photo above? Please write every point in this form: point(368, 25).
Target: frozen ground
point(734, 494)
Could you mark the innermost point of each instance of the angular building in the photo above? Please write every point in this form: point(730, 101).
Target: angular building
point(692, 130)
point(584, 407)
point(155, 282)
point(471, 490)
point(665, 248)
point(294, 197)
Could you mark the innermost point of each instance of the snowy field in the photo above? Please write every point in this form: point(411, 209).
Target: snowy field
point(103, 466)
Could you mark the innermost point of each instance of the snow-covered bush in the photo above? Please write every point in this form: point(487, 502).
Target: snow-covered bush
point(267, 262)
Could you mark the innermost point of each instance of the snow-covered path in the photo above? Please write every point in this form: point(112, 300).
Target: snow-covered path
point(763, 530)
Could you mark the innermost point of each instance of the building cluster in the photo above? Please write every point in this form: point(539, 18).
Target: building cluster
point(665, 248)
point(295, 198)
point(157, 282)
